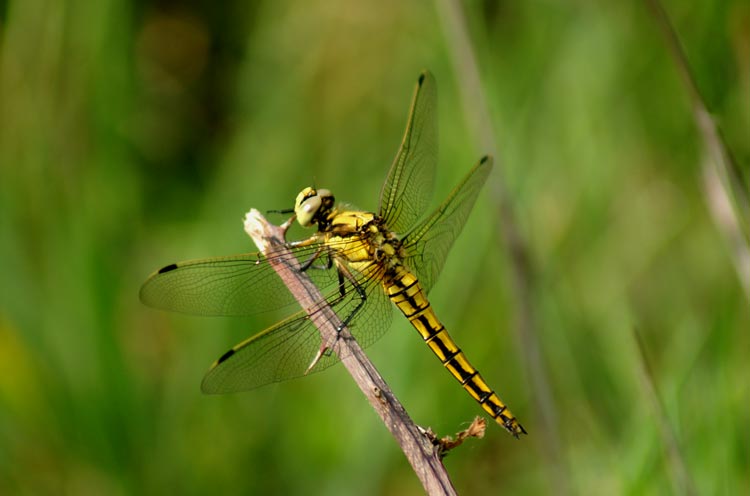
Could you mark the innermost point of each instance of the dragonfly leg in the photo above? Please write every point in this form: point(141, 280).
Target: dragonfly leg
point(342, 285)
point(325, 347)
point(309, 262)
point(345, 273)
point(303, 242)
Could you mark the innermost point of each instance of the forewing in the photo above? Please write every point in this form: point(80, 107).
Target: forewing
point(286, 350)
point(428, 244)
point(408, 187)
point(234, 285)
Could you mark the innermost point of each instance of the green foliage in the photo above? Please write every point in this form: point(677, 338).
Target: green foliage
point(133, 135)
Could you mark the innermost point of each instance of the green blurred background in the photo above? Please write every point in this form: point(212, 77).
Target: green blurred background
point(135, 134)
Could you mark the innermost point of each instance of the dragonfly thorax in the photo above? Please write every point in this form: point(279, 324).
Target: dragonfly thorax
point(313, 206)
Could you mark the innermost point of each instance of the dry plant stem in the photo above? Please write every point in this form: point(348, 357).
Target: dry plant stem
point(681, 480)
point(733, 222)
point(522, 271)
point(417, 448)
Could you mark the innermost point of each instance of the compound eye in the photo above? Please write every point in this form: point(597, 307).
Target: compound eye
point(307, 205)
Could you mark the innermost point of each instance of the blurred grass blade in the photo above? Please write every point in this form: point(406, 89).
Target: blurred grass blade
point(733, 222)
point(681, 480)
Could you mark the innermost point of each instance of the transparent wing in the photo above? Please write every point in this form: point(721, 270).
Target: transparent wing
point(285, 350)
point(234, 285)
point(408, 187)
point(427, 245)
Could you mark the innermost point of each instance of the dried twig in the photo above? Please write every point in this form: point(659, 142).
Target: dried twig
point(416, 446)
point(446, 443)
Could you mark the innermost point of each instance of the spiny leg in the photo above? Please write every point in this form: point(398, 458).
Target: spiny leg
point(309, 262)
point(343, 274)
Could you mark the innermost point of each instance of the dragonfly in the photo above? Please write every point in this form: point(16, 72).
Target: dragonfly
point(364, 264)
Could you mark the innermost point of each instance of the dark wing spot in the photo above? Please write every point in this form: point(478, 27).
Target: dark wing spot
point(484, 159)
point(421, 79)
point(167, 268)
point(224, 357)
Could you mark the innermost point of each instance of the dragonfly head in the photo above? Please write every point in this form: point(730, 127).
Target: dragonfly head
point(313, 205)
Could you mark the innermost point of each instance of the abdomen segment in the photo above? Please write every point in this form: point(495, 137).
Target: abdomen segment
point(404, 290)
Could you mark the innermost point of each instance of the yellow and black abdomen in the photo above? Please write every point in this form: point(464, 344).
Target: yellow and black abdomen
point(406, 293)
